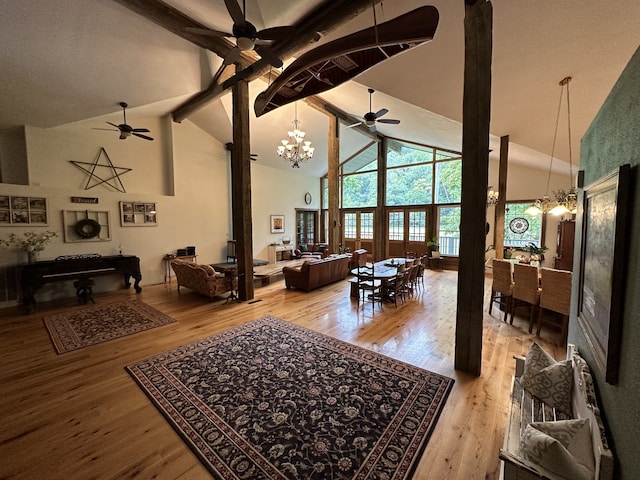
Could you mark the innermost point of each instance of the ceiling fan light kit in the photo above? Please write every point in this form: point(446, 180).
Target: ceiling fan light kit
point(125, 129)
point(370, 118)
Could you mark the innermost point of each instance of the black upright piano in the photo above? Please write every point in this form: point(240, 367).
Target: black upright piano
point(34, 275)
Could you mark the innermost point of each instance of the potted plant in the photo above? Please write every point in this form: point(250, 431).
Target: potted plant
point(435, 247)
point(535, 253)
point(32, 243)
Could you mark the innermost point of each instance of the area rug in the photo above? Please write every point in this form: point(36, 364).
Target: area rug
point(272, 400)
point(99, 323)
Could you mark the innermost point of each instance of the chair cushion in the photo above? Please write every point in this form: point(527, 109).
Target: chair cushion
point(547, 379)
point(563, 447)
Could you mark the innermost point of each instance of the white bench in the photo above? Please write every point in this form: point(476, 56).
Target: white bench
point(525, 408)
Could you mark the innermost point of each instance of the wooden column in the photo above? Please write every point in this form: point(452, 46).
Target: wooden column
point(498, 219)
point(475, 168)
point(380, 217)
point(333, 165)
point(241, 190)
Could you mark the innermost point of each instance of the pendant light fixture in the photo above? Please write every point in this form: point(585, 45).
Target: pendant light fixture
point(295, 148)
point(564, 201)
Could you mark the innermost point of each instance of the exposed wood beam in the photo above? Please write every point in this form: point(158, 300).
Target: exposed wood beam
point(476, 110)
point(498, 224)
point(325, 18)
point(333, 167)
point(241, 190)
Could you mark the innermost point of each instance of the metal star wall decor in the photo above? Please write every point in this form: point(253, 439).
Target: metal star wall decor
point(113, 181)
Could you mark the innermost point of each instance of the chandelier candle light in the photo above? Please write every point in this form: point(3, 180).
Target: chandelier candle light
point(565, 201)
point(295, 148)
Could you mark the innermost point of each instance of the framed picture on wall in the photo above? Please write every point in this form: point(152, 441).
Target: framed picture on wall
point(22, 211)
point(277, 223)
point(138, 214)
point(603, 259)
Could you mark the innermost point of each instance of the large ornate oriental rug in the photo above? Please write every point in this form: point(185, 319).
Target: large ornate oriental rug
point(272, 400)
point(100, 323)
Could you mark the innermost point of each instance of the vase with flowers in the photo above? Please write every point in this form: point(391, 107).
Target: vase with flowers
point(30, 242)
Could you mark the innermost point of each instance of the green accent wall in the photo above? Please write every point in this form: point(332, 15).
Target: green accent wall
point(613, 139)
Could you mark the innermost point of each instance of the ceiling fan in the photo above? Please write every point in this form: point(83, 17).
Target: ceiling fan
point(370, 118)
point(125, 129)
point(247, 35)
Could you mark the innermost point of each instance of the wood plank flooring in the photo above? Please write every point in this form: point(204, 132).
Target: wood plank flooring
point(80, 415)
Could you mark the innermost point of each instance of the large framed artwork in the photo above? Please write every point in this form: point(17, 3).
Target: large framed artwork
point(603, 258)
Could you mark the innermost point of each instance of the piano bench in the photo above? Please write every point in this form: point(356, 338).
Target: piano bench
point(84, 290)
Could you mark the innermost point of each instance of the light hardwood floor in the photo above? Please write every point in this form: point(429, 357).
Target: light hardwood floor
point(80, 415)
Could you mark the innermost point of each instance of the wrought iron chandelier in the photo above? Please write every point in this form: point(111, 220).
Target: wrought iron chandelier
point(564, 201)
point(295, 148)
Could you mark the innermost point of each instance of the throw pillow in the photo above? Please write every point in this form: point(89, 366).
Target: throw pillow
point(563, 448)
point(547, 379)
point(303, 248)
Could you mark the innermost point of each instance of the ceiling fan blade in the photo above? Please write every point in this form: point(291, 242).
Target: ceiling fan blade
point(207, 31)
point(276, 33)
point(266, 53)
point(236, 13)
point(354, 124)
point(381, 112)
point(107, 129)
point(389, 120)
point(140, 130)
point(141, 136)
point(113, 124)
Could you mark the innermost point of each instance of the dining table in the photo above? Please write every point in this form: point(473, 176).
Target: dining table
point(383, 270)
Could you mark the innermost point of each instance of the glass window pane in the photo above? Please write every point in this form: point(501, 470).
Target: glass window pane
point(449, 230)
point(409, 185)
point(396, 225)
point(400, 153)
point(417, 226)
point(325, 193)
point(449, 182)
point(366, 225)
point(350, 227)
point(520, 228)
point(360, 190)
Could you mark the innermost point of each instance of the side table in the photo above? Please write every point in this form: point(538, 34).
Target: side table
point(166, 260)
point(435, 263)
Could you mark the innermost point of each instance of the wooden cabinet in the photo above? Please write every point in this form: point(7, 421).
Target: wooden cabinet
point(278, 253)
point(564, 245)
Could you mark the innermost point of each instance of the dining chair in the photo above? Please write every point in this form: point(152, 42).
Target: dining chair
point(412, 278)
point(395, 288)
point(421, 267)
point(368, 285)
point(555, 296)
point(526, 290)
point(502, 286)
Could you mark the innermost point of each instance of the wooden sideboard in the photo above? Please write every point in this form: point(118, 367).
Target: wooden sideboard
point(278, 253)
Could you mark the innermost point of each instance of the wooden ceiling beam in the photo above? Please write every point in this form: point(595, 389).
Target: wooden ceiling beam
point(326, 17)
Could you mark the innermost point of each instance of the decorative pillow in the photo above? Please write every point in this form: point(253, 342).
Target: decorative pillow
point(322, 248)
point(303, 248)
point(563, 448)
point(547, 379)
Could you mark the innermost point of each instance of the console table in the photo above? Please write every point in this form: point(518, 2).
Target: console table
point(34, 275)
point(277, 253)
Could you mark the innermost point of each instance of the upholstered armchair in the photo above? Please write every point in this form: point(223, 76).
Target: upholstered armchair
point(203, 278)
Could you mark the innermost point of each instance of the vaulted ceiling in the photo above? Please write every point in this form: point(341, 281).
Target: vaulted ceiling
point(74, 60)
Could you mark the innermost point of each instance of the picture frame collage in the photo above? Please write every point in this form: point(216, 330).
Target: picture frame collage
point(138, 214)
point(21, 210)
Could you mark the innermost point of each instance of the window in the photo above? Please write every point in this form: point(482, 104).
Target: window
point(520, 228)
point(360, 179)
point(366, 225)
point(396, 225)
point(449, 230)
point(350, 225)
point(417, 226)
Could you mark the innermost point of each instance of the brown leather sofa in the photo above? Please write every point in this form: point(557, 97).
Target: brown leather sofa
point(358, 258)
point(317, 273)
point(312, 248)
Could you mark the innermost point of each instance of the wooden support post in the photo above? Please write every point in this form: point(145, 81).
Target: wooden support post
point(380, 217)
point(241, 190)
point(333, 165)
point(498, 219)
point(475, 166)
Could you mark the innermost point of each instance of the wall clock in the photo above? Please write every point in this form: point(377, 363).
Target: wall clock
point(307, 198)
point(519, 225)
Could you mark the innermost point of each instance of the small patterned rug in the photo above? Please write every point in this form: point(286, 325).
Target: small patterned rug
point(96, 324)
point(272, 400)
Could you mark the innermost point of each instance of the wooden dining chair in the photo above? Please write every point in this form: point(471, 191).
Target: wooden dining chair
point(526, 290)
point(555, 296)
point(502, 286)
point(395, 288)
point(368, 285)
